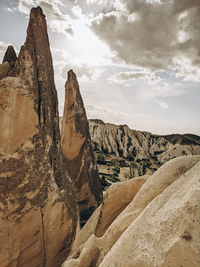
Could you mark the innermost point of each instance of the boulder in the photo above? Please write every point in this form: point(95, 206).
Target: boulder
point(158, 228)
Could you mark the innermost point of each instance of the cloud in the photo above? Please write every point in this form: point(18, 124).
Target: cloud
point(142, 121)
point(3, 47)
point(160, 90)
point(83, 72)
point(107, 115)
point(162, 104)
point(124, 76)
point(58, 19)
point(150, 34)
point(10, 9)
point(186, 69)
point(128, 76)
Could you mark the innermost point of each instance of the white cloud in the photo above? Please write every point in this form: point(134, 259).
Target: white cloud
point(162, 104)
point(150, 34)
point(122, 77)
point(83, 72)
point(161, 89)
point(11, 9)
point(141, 121)
point(186, 69)
point(107, 115)
point(57, 20)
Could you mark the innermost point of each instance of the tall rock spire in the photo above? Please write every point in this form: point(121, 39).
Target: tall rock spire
point(77, 147)
point(38, 212)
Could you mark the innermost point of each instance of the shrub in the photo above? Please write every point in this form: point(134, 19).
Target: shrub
point(100, 157)
point(130, 157)
point(114, 178)
point(116, 169)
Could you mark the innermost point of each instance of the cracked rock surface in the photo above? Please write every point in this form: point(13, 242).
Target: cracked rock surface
point(77, 147)
point(38, 212)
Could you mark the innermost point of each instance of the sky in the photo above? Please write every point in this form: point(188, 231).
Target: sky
point(137, 61)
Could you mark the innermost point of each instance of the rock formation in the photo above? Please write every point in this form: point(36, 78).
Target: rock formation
point(115, 199)
point(159, 227)
point(38, 212)
point(122, 141)
point(8, 62)
point(77, 147)
point(123, 153)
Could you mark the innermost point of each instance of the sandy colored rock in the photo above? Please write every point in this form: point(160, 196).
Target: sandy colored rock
point(160, 223)
point(77, 147)
point(88, 230)
point(4, 69)
point(116, 198)
point(166, 233)
point(38, 212)
point(18, 119)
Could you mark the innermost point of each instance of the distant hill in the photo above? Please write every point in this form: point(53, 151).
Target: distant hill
point(123, 153)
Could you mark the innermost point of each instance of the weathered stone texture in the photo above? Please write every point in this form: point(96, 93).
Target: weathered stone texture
point(159, 227)
point(77, 147)
point(38, 212)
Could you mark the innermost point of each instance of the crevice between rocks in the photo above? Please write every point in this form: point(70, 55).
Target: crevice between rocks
point(43, 240)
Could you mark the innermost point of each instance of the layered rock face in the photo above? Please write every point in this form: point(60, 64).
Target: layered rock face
point(38, 212)
point(159, 227)
point(122, 141)
point(77, 147)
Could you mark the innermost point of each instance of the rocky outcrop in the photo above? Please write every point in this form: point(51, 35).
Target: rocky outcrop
point(38, 212)
point(8, 63)
point(124, 142)
point(10, 55)
point(115, 199)
point(160, 226)
point(77, 147)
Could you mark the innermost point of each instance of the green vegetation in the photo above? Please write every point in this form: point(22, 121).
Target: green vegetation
point(158, 152)
point(130, 157)
point(116, 169)
point(114, 178)
point(100, 157)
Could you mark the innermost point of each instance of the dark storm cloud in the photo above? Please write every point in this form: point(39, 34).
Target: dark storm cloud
point(152, 34)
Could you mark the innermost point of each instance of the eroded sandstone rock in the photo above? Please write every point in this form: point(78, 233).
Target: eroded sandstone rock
point(166, 232)
point(158, 228)
point(122, 141)
point(115, 199)
point(77, 147)
point(38, 212)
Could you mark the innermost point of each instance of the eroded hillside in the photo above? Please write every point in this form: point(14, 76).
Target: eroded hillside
point(123, 153)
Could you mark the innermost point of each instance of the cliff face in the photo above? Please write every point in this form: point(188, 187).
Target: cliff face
point(123, 153)
point(122, 141)
point(38, 212)
point(77, 147)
